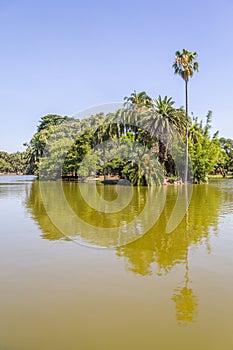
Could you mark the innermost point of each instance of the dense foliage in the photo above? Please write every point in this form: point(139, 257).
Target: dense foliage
point(13, 163)
point(143, 143)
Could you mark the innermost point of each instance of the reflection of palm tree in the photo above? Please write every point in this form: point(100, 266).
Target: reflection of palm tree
point(186, 302)
point(169, 250)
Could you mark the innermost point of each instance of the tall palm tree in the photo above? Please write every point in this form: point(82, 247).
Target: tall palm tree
point(185, 65)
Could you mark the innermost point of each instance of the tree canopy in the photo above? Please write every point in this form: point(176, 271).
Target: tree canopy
point(143, 143)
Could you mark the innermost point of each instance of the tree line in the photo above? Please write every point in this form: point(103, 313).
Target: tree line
point(137, 145)
point(147, 141)
point(134, 144)
point(16, 163)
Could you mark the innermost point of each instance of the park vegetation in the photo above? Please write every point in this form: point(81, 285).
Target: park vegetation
point(149, 141)
point(16, 163)
point(117, 144)
point(126, 144)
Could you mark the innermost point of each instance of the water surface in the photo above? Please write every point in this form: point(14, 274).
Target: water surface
point(61, 288)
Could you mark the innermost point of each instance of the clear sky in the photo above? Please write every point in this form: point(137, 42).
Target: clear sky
point(64, 56)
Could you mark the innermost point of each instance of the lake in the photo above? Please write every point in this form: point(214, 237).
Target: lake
point(115, 267)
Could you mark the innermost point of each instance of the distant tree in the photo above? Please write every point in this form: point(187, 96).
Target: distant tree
point(13, 162)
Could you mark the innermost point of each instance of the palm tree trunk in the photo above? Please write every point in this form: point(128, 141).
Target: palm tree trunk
point(105, 170)
point(186, 145)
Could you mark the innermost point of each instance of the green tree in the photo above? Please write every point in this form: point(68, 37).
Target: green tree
point(49, 127)
point(227, 148)
point(52, 120)
point(205, 151)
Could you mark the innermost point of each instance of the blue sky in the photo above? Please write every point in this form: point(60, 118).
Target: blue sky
point(65, 56)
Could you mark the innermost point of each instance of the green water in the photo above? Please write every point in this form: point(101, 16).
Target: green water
point(106, 267)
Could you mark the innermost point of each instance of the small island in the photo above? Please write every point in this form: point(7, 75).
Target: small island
point(143, 143)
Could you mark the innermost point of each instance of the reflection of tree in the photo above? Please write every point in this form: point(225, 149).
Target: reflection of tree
point(64, 205)
point(156, 246)
point(38, 212)
point(185, 300)
point(168, 250)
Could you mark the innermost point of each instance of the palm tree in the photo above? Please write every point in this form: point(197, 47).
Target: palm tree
point(138, 102)
point(35, 149)
point(101, 135)
point(185, 65)
point(163, 121)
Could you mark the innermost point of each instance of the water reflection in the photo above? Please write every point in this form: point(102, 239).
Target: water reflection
point(156, 247)
point(15, 186)
point(64, 206)
point(186, 301)
point(168, 250)
point(35, 206)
